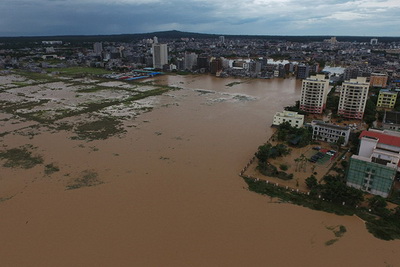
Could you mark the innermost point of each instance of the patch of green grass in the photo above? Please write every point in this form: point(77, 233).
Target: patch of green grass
point(88, 178)
point(20, 157)
point(96, 89)
point(50, 168)
point(37, 77)
point(21, 84)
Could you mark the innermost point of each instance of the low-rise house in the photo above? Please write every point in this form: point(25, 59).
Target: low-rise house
point(295, 119)
point(329, 132)
point(391, 121)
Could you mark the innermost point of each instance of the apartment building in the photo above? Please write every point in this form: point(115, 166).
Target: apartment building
point(378, 80)
point(160, 55)
point(386, 99)
point(353, 98)
point(314, 91)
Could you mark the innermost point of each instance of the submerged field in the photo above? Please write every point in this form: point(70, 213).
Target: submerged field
point(100, 172)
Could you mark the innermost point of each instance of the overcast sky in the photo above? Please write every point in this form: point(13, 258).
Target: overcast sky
point(258, 17)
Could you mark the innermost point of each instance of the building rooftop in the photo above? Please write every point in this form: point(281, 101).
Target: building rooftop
point(382, 138)
point(387, 91)
point(328, 125)
point(392, 117)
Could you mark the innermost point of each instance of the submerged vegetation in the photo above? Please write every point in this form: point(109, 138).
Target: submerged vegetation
point(102, 128)
point(87, 178)
point(20, 157)
point(50, 168)
point(381, 222)
point(37, 104)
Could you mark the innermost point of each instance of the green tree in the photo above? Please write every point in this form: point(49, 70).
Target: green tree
point(370, 112)
point(340, 142)
point(311, 182)
point(378, 205)
point(264, 152)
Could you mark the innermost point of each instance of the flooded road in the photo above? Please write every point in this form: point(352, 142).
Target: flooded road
point(169, 193)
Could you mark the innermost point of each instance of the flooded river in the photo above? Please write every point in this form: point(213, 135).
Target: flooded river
point(169, 193)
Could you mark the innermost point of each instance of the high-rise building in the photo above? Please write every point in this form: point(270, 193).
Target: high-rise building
point(374, 41)
point(303, 71)
point(386, 99)
point(155, 40)
point(160, 55)
point(203, 62)
point(216, 66)
point(98, 48)
point(190, 60)
point(353, 98)
point(222, 39)
point(351, 73)
point(314, 91)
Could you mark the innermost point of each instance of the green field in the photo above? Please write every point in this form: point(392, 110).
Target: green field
point(80, 70)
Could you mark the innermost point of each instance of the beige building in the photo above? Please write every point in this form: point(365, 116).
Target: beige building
point(314, 92)
point(353, 98)
point(386, 99)
point(295, 119)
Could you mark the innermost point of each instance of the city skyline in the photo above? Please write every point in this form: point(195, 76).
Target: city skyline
point(258, 17)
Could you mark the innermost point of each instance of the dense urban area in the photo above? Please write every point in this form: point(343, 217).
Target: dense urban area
point(344, 128)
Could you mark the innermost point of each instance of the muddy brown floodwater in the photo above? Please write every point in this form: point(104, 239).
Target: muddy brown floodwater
point(170, 194)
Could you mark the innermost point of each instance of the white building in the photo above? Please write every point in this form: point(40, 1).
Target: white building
point(295, 119)
point(374, 168)
point(353, 98)
point(160, 55)
point(329, 132)
point(314, 91)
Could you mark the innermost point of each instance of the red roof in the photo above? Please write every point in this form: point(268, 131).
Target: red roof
point(383, 138)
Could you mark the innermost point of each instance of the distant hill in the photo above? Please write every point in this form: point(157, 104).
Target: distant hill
point(178, 34)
